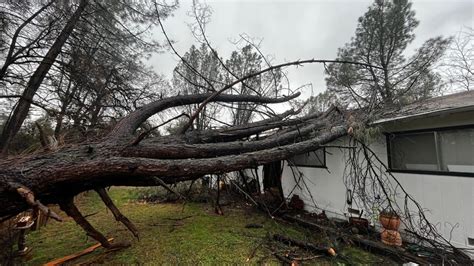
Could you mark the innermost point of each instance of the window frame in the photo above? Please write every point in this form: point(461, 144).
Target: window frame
point(427, 130)
point(324, 166)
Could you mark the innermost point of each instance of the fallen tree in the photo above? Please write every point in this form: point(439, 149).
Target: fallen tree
point(124, 159)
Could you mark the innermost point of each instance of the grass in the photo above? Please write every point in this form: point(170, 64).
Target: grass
point(201, 238)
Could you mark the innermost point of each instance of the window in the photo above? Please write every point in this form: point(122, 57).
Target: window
point(437, 151)
point(470, 241)
point(315, 158)
point(414, 151)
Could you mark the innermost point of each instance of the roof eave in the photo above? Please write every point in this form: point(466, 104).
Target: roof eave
point(424, 114)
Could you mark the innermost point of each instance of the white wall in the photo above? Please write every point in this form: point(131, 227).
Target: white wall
point(326, 185)
point(449, 200)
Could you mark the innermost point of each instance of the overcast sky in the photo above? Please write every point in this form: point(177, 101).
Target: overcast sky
point(293, 30)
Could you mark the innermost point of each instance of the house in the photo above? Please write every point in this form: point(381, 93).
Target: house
point(429, 149)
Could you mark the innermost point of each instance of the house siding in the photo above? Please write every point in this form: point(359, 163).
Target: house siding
point(449, 200)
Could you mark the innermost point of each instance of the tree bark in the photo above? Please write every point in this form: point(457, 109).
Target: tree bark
point(55, 177)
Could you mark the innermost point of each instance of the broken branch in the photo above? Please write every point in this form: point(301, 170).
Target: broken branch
point(306, 245)
point(70, 209)
point(116, 212)
point(30, 199)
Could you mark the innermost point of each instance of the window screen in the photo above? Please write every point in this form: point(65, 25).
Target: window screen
point(312, 159)
point(438, 150)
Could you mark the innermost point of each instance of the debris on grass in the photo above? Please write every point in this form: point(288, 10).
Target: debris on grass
point(173, 235)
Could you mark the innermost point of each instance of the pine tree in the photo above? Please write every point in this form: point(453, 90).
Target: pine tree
point(381, 40)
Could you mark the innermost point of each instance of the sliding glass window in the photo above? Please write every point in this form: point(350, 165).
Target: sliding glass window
point(436, 151)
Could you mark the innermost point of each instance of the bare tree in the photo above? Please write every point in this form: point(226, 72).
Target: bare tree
point(458, 64)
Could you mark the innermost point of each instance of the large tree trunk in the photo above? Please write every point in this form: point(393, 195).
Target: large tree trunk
point(119, 160)
point(14, 122)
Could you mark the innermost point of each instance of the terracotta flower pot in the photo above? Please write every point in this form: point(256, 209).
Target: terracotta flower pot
point(390, 222)
point(391, 238)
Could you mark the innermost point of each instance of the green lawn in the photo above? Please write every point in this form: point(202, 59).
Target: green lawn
point(204, 237)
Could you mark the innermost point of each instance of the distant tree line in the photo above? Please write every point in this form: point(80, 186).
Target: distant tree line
point(77, 64)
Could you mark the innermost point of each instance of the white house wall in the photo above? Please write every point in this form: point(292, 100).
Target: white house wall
point(326, 185)
point(449, 200)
